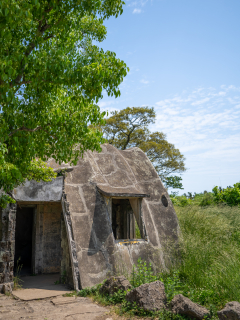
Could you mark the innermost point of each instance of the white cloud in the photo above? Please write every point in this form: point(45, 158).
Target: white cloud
point(196, 103)
point(141, 3)
point(137, 11)
point(204, 125)
point(103, 104)
point(222, 93)
point(144, 81)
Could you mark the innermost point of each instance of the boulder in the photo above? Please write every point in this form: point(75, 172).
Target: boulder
point(184, 306)
point(113, 284)
point(149, 296)
point(231, 311)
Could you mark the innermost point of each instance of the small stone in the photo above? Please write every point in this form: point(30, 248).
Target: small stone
point(7, 288)
point(113, 284)
point(231, 311)
point(184, 306)
point(149, 296)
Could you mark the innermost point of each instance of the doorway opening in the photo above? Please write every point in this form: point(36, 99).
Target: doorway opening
point(24, 240)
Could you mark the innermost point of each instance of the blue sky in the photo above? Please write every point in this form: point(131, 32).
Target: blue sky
point(184, 60)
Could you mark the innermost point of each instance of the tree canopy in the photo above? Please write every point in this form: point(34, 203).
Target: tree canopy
point(129, 128)
point(51, 77)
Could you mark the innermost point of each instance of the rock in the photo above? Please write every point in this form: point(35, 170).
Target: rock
point(149, 296)
point(113, 284)
point(231, 311)
point(6, 288)
point(185, 306)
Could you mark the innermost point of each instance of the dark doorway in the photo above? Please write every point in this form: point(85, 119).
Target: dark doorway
point(23, 240)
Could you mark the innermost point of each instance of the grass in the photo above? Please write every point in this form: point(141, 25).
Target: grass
point(16, 279)
point(207, 271)
point(210, 254)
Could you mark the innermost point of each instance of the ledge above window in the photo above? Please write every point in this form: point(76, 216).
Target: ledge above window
point(121, 192)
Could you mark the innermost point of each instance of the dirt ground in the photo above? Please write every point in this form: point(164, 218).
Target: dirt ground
point(57, 308)
point(40, 299)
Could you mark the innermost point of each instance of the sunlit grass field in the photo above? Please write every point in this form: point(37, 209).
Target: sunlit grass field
point(209, 268)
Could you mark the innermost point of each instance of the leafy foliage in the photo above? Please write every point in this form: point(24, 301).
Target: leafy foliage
point(230, 195)
point(51, 78)
point(173, 182)
point(142, 273)
point(129, 128)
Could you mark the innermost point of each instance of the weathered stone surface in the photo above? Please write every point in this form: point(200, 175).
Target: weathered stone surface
point(7, 288)
point(185, 306)
point(38, 191)
point(231, 311)
point(119, 178)
point(113, 284)
point(149, 296)
point(74, 199)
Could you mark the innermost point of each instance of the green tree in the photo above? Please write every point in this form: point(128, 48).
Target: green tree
point(51, 78)
point(129, 128)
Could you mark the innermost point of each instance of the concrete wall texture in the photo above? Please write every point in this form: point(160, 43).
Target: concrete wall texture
point(47, 249)
point(89, 188)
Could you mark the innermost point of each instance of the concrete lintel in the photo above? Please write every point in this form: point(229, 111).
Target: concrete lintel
point(32, 191)
point(121, 192)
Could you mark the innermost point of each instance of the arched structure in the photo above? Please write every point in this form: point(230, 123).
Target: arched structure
point(98, 219)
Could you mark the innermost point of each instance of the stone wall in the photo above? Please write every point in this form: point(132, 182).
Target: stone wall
point(7, 245)
point(51, 237)
point(66, 264)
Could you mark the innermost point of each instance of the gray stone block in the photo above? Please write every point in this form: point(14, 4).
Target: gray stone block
point(149, 296)
point(184, 306)
point(113, 284)
point(231, 311)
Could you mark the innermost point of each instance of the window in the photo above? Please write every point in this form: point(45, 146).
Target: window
point(125, 226)
point(124, 206)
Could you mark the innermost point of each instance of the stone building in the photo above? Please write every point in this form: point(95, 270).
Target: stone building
point(96, 219)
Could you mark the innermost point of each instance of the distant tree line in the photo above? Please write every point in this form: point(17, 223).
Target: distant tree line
point(229, 196)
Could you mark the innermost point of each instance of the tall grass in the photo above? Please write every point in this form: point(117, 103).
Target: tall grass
point(210, 254)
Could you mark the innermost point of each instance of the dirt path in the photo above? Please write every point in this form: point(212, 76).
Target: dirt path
point(58, 308)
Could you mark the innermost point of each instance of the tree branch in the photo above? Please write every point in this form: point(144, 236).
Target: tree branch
point(23, 128)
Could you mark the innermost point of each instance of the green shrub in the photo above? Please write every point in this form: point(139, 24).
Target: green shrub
point(142, 273)
point(230, 196)
point(200, 199)
point(204, 199)
point(89, 291)
point(181, 201)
